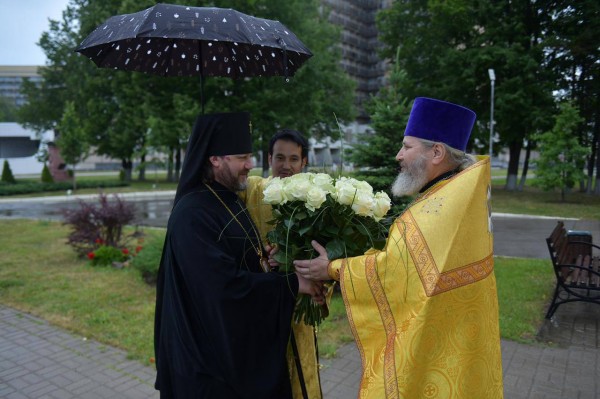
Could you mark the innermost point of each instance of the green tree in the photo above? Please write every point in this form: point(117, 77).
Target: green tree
point(559, 164)
point(7, 174)
point(376, 151)
point(71, 139)
point(8, 110)
point(573, 54)
point(171, 131)
point(46, 176)
point(447, 47)
point(101, 99)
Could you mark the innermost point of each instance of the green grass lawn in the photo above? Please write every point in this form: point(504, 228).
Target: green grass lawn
point(532, 201)
point(41, 275)
point(525, 288)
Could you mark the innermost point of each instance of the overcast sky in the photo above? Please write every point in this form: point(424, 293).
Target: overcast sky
point(21, 25)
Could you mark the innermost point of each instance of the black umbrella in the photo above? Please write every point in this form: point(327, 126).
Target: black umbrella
point(175, 40)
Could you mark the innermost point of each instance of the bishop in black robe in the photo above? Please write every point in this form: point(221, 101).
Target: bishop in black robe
point(222, 324)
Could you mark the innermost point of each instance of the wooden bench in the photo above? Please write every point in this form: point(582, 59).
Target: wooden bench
point(576, 266)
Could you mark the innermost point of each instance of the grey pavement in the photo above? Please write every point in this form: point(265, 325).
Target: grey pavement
point(38, 360)
point(152, 207)
point(565, 364)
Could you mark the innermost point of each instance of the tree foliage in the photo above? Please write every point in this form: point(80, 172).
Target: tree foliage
point(573, 54)
point(8, 110)
point(375, 152)
point(559, 164)
point(447, 47)
point(71, 138)
point(46, 176)
point(7, 174)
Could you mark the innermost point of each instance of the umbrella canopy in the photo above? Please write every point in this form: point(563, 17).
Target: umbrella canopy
point(175, 40)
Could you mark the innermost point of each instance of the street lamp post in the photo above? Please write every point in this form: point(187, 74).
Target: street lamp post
point(492, 80)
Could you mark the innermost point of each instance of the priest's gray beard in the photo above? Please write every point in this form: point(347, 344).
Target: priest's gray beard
point(411, 178)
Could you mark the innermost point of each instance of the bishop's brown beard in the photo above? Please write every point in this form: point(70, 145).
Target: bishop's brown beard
point(227, 178)
point(411, 178)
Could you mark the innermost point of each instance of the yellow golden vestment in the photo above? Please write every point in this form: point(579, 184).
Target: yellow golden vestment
point(305, 335)
point(424, 310)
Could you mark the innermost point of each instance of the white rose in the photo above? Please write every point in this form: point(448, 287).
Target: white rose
point(350, 180)
point(323, 181)
point(363, 186)
point(382, 205)
point(315, 198)
point(344, 191)
point(273, 193)
point(363, 203)
point(296, 187)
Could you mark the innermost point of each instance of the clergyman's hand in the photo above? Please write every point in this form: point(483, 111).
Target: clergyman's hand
point(314, 269)
point(271, 251)
point(315, 289)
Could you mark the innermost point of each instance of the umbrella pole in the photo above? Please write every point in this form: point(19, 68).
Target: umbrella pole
point(285, 58)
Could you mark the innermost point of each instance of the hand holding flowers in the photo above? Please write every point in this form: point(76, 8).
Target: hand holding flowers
point(316, 268)
point(343, 213)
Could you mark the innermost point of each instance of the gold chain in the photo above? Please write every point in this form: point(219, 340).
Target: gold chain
point(263, 260)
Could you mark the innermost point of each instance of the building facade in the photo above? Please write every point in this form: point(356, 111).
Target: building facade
point(360, 45)
point(21, 147)
point(11, 77)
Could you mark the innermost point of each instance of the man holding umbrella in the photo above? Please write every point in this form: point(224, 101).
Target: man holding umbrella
point(222, 320)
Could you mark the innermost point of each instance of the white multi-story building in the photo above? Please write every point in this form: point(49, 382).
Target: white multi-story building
point(11, 77)
point(20, 146)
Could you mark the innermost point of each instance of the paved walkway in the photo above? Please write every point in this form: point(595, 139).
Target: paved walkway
point(564, 365)
point(39, 361)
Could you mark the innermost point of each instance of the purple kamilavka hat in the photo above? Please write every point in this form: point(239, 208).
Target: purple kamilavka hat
point(440, 121)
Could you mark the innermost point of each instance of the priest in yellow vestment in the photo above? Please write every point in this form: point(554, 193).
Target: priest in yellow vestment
point(288, 155)
point(424, 309)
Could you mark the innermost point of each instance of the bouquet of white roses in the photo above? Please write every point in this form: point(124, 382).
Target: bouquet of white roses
point(343, 214)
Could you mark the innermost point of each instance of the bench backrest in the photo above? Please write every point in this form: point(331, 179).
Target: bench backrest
point(577, 238)
point(561, 253)
point(565, 245)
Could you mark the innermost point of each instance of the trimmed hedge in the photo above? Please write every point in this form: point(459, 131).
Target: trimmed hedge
point(46, 175)
point(7, 174)
point(38, 187)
